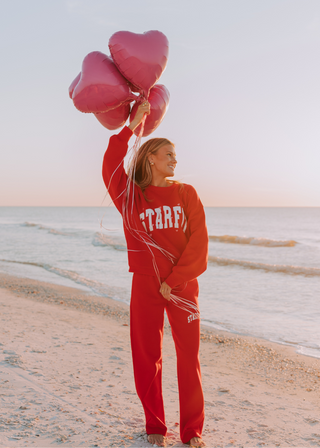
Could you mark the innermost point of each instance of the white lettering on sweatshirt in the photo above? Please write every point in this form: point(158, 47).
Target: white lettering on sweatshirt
point(142, 220)
point(149, 214)
point(176, 211)
point(167, 216)
point(164, 217)
point(159, 224)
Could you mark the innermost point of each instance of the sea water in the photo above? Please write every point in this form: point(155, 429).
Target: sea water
point(263, 276)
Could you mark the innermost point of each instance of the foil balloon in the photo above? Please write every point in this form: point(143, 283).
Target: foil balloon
point(115, 118)
point(141, 58)
point(73, 85)
point(159, 102)
point(101, 86)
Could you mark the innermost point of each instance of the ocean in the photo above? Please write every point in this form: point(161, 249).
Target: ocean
point(263, 276)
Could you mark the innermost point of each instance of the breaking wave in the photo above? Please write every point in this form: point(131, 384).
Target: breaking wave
point(230, 239)
point(101, 289)
point(48, 229)
point(100, 239)
point(29, 224)
point(284, 269)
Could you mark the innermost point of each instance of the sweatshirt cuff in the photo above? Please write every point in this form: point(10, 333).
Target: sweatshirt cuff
point(125, 134)
point(173, 280)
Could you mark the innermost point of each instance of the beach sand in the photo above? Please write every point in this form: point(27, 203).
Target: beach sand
point(66, 378)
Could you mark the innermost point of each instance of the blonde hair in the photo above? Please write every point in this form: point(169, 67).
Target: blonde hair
point(139, 169)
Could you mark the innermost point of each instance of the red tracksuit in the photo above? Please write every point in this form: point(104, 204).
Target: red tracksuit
point(166, 234)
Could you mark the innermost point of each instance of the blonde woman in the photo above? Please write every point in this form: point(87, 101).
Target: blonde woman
point(167, 240)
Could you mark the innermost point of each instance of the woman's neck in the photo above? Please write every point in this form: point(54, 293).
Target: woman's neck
point(160, 182)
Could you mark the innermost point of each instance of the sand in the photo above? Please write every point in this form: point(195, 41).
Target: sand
point(66, 378)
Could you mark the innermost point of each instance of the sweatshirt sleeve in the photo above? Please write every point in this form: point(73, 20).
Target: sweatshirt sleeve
point(113, 173)
point(194, 258)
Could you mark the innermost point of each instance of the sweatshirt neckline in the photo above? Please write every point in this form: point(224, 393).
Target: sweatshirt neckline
point(153, 187)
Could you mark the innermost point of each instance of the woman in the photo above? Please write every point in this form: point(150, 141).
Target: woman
point(167, 240)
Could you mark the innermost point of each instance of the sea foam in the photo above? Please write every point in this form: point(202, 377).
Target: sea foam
point(48, 229)
point(99, 288)
point(118, 243)
point(266, 242)
point(282, 268)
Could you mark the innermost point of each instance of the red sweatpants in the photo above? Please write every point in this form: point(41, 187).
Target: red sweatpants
point(146, 329)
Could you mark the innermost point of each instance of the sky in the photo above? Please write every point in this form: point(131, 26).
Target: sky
point(244, 113)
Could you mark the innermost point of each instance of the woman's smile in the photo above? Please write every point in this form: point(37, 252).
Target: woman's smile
point(167, 242)
point(163, 162)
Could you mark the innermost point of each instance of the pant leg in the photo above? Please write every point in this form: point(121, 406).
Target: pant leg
point(187, 341)
point(146, 330)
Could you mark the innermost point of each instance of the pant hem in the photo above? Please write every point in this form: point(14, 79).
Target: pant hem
point(157, 431)
point(189, 436)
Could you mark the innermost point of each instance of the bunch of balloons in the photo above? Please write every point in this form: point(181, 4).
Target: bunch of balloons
point(106, 86)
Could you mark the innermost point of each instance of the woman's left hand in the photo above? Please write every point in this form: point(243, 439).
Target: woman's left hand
point(165, 290)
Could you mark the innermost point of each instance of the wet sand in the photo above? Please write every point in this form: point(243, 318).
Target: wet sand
point(66, 378)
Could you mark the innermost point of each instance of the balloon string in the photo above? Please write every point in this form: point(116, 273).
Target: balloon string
point(136, 145)
point(143, 236)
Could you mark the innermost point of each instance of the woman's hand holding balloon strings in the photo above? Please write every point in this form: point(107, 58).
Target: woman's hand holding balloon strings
point(105, 88)
point(106, 84)
point(144, 108)
point(165, 290)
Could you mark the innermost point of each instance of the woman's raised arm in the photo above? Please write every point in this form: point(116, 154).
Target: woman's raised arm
point(143, 109)
point(113, 173)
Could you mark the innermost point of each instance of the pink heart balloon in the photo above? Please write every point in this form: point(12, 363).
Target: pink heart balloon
point(101, 86)
point(73, 85)
point(115, 118)
point(141, 58)
point(159, 102)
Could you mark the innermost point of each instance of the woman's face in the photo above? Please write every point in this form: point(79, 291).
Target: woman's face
point(164, 161)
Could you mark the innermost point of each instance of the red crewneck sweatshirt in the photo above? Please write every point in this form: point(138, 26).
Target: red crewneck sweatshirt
point(172, 218)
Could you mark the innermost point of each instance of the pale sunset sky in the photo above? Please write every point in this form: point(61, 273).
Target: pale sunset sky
point(244, 112)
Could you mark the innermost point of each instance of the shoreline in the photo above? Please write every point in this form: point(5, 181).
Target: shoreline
point(66, 377)
point(26, 283)
point(80, 299)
